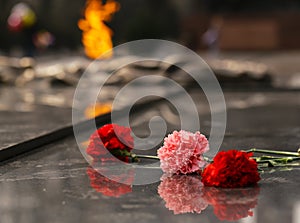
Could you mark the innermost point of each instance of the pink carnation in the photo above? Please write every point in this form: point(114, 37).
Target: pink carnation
point(182, 194)
point(182, 152)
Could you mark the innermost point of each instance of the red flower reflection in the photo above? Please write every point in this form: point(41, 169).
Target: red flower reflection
point(231, 169)
point(186, 194)
point(182, 194)
point(231, 204)
point(111, 138)
point(109, 187)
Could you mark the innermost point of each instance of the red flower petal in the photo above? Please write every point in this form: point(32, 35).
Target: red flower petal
point(109, 137)
point(231, 169)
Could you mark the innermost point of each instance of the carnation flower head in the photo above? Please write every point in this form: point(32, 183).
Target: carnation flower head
point(231, 169)
point(111, 138)
point(182, 152)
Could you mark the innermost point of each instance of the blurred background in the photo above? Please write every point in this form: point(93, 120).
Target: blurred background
point(198, 24)
point(46, 45)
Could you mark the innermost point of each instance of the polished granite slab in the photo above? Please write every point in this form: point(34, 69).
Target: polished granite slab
point(55, 183)
point(25, 126)
point(31, 117)
point(38, 109)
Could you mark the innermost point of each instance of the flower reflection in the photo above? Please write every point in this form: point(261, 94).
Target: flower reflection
point(182, 194)
point(186, 194)
point(110, 187)
point(231, 204)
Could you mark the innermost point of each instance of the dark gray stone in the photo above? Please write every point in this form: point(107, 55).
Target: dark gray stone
point(52, 185)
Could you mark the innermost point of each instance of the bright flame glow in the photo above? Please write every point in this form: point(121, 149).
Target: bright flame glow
point(98, 109)
point(96, 36)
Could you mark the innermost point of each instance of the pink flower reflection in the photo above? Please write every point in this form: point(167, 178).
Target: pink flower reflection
point(182, 194)
point(231, 204)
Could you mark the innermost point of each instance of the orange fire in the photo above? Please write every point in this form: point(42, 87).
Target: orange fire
point(96, 36)
point(98, 109)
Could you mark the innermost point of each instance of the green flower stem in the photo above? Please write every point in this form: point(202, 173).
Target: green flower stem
point(156, 157)
point(289, 166)
point(257, 158)
point(277, 159)
point(147, 157)
point(273, 152)
point(207, 159)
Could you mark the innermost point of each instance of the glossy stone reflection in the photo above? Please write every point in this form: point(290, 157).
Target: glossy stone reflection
point(232, 204)
point(186, 194)
point(182, 194)
point(108, 187)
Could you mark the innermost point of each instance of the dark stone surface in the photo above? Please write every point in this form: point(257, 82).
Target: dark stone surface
point(41, 107)
point(55, 184)
point(52, 185)
point(31, 117)
point(26, 113)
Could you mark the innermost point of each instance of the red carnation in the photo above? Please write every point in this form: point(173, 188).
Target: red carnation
point(109, 187)
point(231, 169)
point(111, 138)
